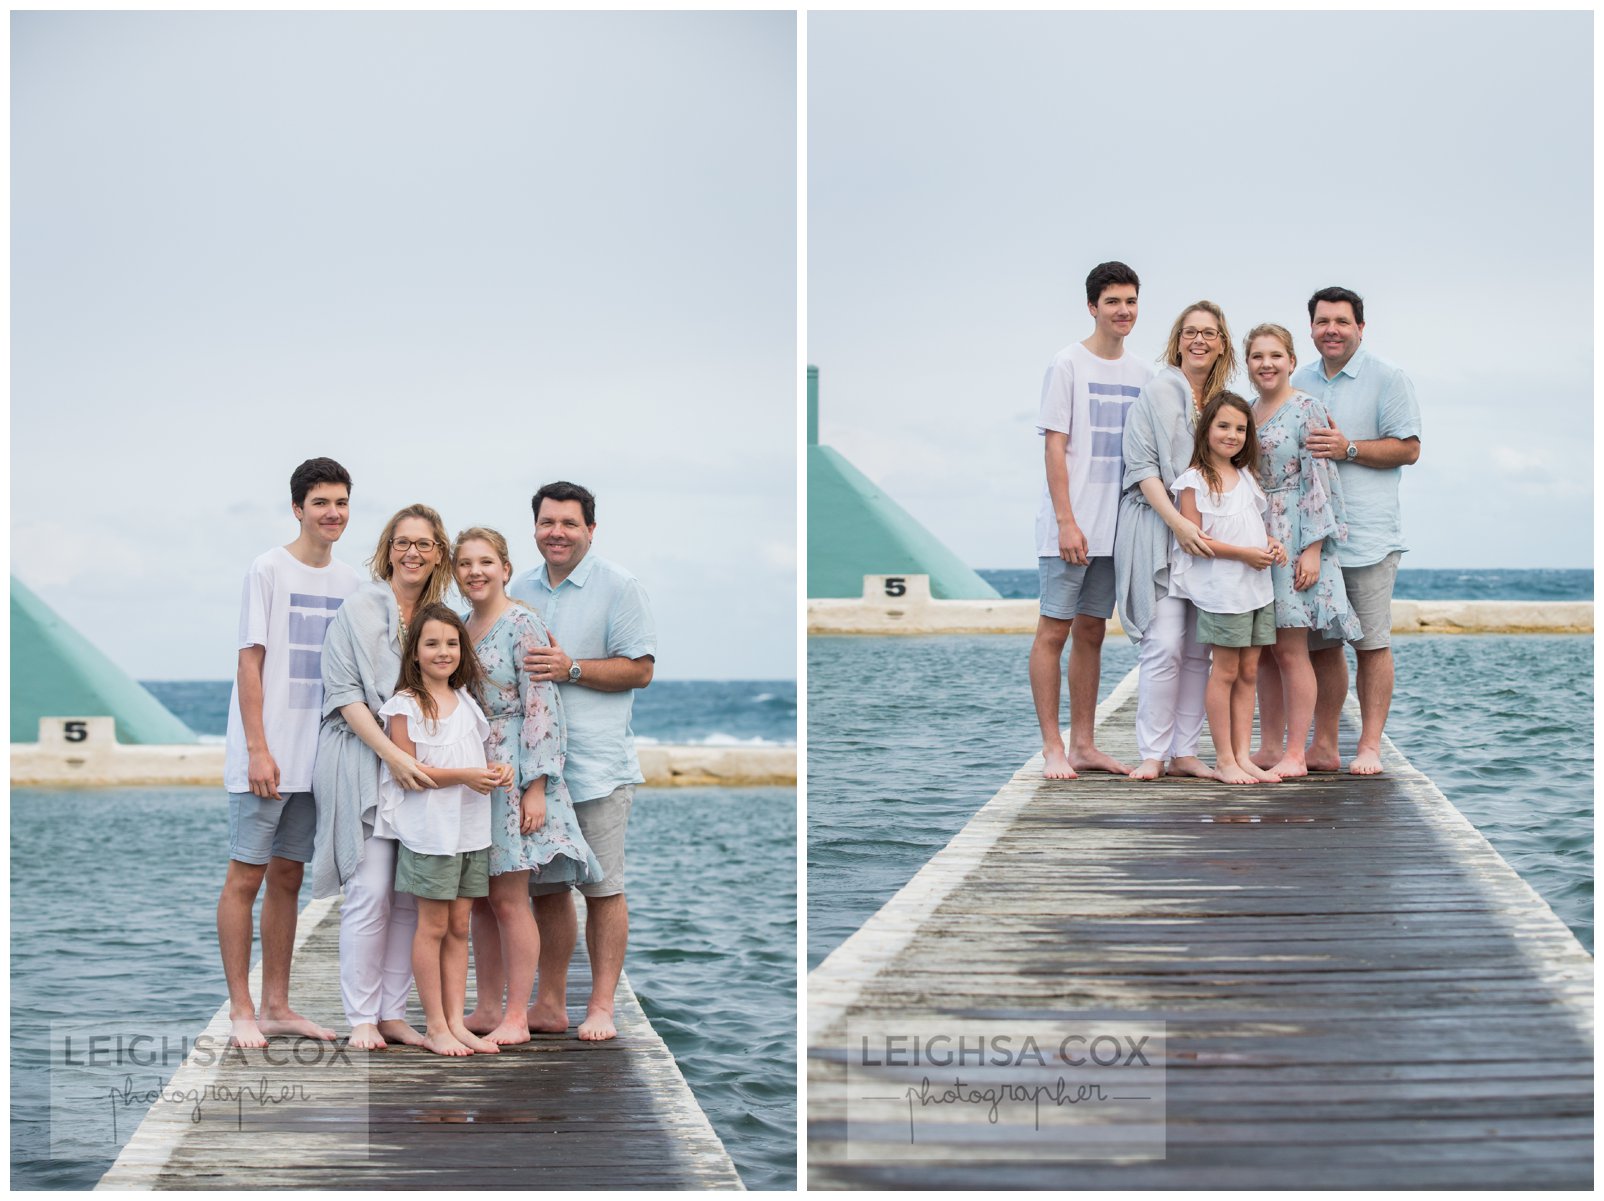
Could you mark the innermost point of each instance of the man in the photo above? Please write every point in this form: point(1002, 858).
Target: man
point(1374, 434)
point(603, 647)
point(1088, 390)
point(291, 595)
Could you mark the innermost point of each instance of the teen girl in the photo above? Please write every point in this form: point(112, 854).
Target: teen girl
point(444, 831)
point(1232, 591)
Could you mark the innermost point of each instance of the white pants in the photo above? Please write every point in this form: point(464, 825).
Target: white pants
point(1174, 676)
point(376, 928)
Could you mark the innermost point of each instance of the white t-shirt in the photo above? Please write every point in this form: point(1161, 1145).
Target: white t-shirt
point(1087, 398)
point(1236, 518)
point(287, 608)
point(437, 821)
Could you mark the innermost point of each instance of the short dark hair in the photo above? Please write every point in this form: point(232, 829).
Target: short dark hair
point(312, 473)
point(563, 490)
point(1337, 296)
point(1107, 275)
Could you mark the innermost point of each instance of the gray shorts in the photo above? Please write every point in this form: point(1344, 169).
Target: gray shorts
point(1370, 597)
point(1254, 628)
point(260, 828)
point(442, 877)
point(604, 822)
point(1071, 590)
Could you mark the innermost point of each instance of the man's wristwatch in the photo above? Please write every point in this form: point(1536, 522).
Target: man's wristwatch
point(573, 672)
point(1353, 451)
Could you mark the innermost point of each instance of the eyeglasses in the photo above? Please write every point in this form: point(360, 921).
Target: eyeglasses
point(424, 545)
point(1208, 335)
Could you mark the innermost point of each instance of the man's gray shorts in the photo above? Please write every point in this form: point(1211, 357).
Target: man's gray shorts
point(1370, 597)
point(604, 822)
point(260, 828)
point(1071, 590)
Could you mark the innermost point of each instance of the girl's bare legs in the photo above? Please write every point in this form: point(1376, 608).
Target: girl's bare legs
point(1217, 702)
point(489, 976)
point(520, 952)
point(434, 920)
point(1272, 709)
point(1242, 695)
point(1298, 686)
point(454, 975)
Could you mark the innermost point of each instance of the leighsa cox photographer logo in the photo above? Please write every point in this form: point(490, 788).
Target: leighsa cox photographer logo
point(993, 1090)
point(106, 1079)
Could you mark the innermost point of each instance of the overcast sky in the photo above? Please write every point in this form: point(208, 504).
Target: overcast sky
point(464, 254)
point(965, 171)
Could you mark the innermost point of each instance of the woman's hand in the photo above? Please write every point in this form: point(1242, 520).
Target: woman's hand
point(533, 811)
point(1192, 540)
point(408, 772)
point(1307, 574)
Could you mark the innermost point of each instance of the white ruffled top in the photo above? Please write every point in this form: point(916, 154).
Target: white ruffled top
point(1237, 518)
point(437, 821)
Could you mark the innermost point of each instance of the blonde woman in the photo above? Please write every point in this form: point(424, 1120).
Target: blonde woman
point(1159, 432)
point(355, 848)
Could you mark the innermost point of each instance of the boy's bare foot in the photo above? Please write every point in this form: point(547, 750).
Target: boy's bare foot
point(472, 1041)
point(1230, 773)
point(1190, 765)
point(1055, 764)
point(483, 1019)
point(508, 1033)
point(1092, 759)
point(1268, 757)
point(598, 1026)
point(544, 1020)
point(365, 1036)
point(444, 1044)
point(1148, 769)
point(1365, 763)
point(397, 1031)
point(244, 1032)
point(1290, 768)
point(287, 1021)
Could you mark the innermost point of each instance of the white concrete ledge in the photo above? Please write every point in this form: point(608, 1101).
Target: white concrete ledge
point(903, 605)
point(42, 765)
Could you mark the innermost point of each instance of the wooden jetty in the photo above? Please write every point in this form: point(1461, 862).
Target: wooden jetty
point(1357, 991)
point(554, 1113)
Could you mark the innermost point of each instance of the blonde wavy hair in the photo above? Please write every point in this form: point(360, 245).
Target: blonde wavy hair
point(1224, 366)
point(440, 578)
point(1270, 329)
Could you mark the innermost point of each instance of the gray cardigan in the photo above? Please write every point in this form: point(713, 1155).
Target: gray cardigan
point(1158, 442)
point(361, 662)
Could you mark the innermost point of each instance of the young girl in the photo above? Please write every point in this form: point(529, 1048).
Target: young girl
point(443, 831)
point(1232, 591)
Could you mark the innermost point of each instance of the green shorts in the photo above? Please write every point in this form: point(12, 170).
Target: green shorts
point(443, 877)
point(1237, 629)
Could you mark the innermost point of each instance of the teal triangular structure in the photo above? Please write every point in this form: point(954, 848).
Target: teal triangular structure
point(57, 672)
point(855, 529)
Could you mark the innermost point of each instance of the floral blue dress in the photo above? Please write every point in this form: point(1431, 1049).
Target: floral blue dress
point(527, 730)
point(1306, 506)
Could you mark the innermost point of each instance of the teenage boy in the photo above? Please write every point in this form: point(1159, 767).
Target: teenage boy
point(603, 647)
point(291, 595)
point(1374, 434)
point(1089, 388)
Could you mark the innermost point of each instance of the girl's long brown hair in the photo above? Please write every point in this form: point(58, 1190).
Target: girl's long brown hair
point(1246, 459)
point(469, 674)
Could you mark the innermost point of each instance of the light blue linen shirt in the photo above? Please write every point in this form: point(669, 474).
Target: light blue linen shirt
point(599, 612)
point(1367, 399)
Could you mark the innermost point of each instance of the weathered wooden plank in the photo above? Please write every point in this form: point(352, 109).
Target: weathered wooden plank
point(552, 1113)
point(1358, 992)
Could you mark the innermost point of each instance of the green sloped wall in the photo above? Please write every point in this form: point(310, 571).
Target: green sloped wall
point(57, 672)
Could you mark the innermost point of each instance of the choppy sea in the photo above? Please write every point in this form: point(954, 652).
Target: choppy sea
point(908, 737)
point(713, 925)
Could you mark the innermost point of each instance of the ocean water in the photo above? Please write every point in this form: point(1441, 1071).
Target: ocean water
point(716, 712)
point(1414, 583)
point(908, 737)
point(712, 948)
